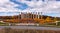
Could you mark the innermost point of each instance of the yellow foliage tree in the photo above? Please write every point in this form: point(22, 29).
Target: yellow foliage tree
point(48, 19)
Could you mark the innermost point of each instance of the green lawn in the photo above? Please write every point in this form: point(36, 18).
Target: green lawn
point(3, 24)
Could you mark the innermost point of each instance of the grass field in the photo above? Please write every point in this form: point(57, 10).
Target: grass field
point(3, 24)
point(9, 30)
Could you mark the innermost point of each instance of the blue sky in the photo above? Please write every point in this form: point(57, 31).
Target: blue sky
point(12, 7)
point(8, 13)
point(21, 6)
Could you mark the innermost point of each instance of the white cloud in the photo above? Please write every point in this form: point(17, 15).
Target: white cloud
point(34, 6)
point(45, 7)
point(7, 6)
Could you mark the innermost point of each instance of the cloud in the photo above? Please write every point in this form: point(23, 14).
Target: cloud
point(7, 6)
point(45, 7)
point(50, 6)
point(32, 6)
